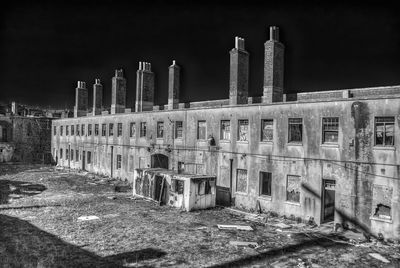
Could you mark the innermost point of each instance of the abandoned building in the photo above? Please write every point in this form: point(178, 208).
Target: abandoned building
point(326, 156)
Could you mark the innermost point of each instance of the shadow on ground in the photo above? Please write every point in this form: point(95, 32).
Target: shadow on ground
point(18, 189)
point(24, 245)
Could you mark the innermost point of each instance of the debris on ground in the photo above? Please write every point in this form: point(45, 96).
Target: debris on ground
point(234, 227)
point(243, 244)
point(379, 257)
point(88, 218)
point(282, 225)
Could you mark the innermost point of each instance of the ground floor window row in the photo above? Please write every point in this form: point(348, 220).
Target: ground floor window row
point(383, 129)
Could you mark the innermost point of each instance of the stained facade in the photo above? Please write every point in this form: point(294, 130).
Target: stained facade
point(325, 156)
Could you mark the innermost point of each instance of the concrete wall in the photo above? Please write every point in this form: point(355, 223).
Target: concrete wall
point(351, 163)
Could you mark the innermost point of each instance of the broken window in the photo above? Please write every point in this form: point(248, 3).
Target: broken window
point(382, 201)
point(241, 180)
point(132, 130)
point(225, 130)
point(177, 186)
point(89, 130)
point(330, 130)
point(160, 129)
point(243, 130)
point(119, 158)
point(384, 131)
point(119, 129)
point(110, 130)
point(201, 130)
point(143, 129)
point(103, 130)
point(178, 129)
point(295, 129)
point(204, 188)
point(96, 129)
point(265, 183)
point(267, 130)
point(293, 188)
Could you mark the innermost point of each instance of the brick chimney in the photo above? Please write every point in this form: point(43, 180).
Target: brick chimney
point(273, 67)
point(81, 100)
point(173, 86)
point(239, 73)
point(144, 88)
point(118, 93)
point(97, 97)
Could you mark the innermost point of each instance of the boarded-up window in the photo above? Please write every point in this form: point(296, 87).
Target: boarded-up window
point(267, 130)
point(243, 130)
point(241, 180)
point(293, 189)
point(382, 201)
point(201, 130)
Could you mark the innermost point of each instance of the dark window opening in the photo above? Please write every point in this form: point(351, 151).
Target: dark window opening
point(267, 130)
point(265, 183)
point(295, 130)
point(383, 211)
point(160, 129)
point(384, 131)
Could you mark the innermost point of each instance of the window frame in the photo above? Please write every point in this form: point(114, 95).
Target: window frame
point(286, 189)
point(96, 129)
point(143, 130)
point(110, 129)
point(132, 126)
point(384, 131)
point(222, 132)
point(104, 130)
point(198, 130)
point(261, 184)
point(238, 130)
point(262, 130)
point(323, 124)
point(176, 126)
point(119, 162)
point(160, 123)
point(89, 130)
point(290, 139)
point(119, 129)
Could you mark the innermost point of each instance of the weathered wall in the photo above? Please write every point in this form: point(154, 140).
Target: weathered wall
point(345, 162)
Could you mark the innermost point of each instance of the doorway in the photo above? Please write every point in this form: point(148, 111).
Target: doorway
point(328, 200)
point(159, 161)
point(160, 189)
point(83, 160)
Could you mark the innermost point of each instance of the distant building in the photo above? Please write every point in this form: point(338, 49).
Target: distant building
point(326, 156)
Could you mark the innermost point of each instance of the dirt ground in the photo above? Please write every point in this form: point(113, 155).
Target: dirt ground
point(40, 208)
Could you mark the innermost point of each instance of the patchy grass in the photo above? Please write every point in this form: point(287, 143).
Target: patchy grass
point(40, 228)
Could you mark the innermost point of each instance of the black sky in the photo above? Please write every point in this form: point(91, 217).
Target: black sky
point(45, 47)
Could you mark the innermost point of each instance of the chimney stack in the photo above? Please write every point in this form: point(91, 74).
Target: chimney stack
point(173, 86)
point(144, 88)
point(273, 67)
point(239, 74)
point(118, 93)
point(97, 97)
point(81, 100)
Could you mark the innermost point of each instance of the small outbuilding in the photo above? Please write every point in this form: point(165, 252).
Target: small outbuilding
point(186, 191)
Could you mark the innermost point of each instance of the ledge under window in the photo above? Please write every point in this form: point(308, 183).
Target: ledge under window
point(384, 148)
point(292, 203)
point(265, 197)
point(267, 142)
point(225, 141)
point(295, 144)
point(381, 219)
point(330, 145)
point(243, 142)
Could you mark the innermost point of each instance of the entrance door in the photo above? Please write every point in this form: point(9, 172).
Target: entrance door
point(83, 159)
point(159, 161)
point(224, 185)
point(328, 198)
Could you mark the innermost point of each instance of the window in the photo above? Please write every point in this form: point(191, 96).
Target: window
point(110, 130)
point(89, 130)
point(160, 129)
point(241, 180)
point(96, 129)
point(204, 188)
point(265, 183)
point(66, 130)
point(177, 186)
point(61, 130)
point(72, 130)
point(55, 130)
point(83, 129)
point(66, 154)
point(77, 130)
point(267, 130)
point(181, 167)
point(119, 157)
point(142, 129)
point(384, 131)
point(72, 155)
point(89, 157)
point(293, 189)
point(295, 130)
point(243, 129)
point(330, 130)
point(201, 130)
point(119, 129)
point(61, 154)
point(103, 130)
point(77, 155)
point(225, 130)
point(178, 129)
point(132, 131)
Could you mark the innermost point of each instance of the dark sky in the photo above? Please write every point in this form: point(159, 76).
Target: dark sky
point(45, 47)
